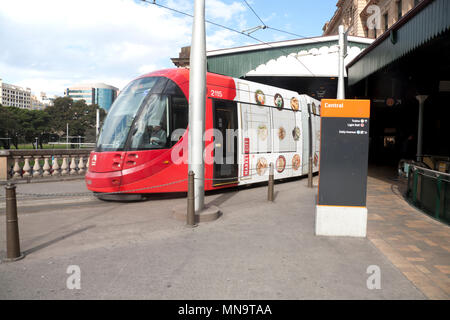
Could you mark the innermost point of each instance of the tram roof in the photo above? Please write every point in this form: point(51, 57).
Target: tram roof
point(181, 75)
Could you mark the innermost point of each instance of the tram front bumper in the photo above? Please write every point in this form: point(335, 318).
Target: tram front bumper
point(103, 181)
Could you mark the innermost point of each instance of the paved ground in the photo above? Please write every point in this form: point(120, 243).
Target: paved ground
point(256, 250)
point(416, 244)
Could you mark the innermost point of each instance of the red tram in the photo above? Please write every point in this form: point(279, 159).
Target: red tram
point(143, 141)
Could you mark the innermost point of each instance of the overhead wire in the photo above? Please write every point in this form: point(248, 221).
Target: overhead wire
point(230, 29)
point(254, 12)
point(265, 26)
point(287, 32)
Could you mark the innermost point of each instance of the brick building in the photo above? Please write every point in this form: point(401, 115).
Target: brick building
point(367, 18)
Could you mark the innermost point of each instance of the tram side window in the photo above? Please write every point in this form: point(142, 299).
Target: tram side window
point(156, 126)
point(179, 118)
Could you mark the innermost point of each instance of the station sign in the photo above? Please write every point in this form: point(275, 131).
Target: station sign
point(344, 150)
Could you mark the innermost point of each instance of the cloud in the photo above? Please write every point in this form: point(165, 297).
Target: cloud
point(146, 68)
point(216, 9)
point(53, 44)
point(222, 38)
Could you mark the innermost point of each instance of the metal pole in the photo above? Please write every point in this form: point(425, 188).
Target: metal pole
point(12, 226)
point(197, 98)
point(421, 99)
point(310, 171)
point(271, 183)
point(97, 123)
point(190, 200)
point(67, 135)
point(310, 157)
point(341, 79)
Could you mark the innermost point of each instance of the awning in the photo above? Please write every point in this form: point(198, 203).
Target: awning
point(237, 62)
point(323, 62)
point(423, 23)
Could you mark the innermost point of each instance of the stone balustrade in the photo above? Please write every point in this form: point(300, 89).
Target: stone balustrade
point(35, 164)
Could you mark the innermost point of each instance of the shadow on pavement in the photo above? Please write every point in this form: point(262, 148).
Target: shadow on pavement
point(225, 195)
point(50, 242)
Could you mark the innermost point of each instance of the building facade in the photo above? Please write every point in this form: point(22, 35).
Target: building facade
point(41, 102)
point(36, 104)
point(15, 96)
point(97, 93)
point(367, 18)
point(406, 75)
point(183, 60)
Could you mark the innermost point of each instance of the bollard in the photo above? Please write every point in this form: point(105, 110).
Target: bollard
point(271, 183)
point(310, 173)
point(190, 200)
point(12, 227)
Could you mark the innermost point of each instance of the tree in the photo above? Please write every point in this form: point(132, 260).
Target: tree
point(60, 112)
point(80, 116)
point(23, 125)
point(8, 127)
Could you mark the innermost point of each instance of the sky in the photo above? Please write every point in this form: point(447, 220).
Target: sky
point(49, 45)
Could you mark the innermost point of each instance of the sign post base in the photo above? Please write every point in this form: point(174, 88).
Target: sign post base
point(341, 221)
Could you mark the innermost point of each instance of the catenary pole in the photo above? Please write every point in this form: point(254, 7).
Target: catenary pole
point(97, 123)
point(341, 79)
point(197, 98)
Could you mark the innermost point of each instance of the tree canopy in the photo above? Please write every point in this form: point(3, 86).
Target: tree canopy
point(23, 125)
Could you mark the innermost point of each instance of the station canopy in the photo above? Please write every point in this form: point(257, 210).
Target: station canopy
point(429, 20)
point(321, 62)
point(310, 57)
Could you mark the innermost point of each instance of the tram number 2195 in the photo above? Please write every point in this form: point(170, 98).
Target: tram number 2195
point(216, 93)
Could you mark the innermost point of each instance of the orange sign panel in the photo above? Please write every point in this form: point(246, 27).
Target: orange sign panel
point(334, 108)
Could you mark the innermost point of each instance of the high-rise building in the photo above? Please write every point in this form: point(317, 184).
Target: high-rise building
point(367, 18)
point(15, 96)
point(97, 93)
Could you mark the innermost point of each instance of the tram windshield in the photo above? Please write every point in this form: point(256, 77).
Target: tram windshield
point(143, 116)
point(117, 124)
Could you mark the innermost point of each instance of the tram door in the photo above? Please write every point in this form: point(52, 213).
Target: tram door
point(226, 145)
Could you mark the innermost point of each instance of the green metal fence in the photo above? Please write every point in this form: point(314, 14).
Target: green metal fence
point(429, 191)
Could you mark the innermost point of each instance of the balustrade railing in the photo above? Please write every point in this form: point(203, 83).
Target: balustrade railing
point(35, 164)
point(429, 190)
